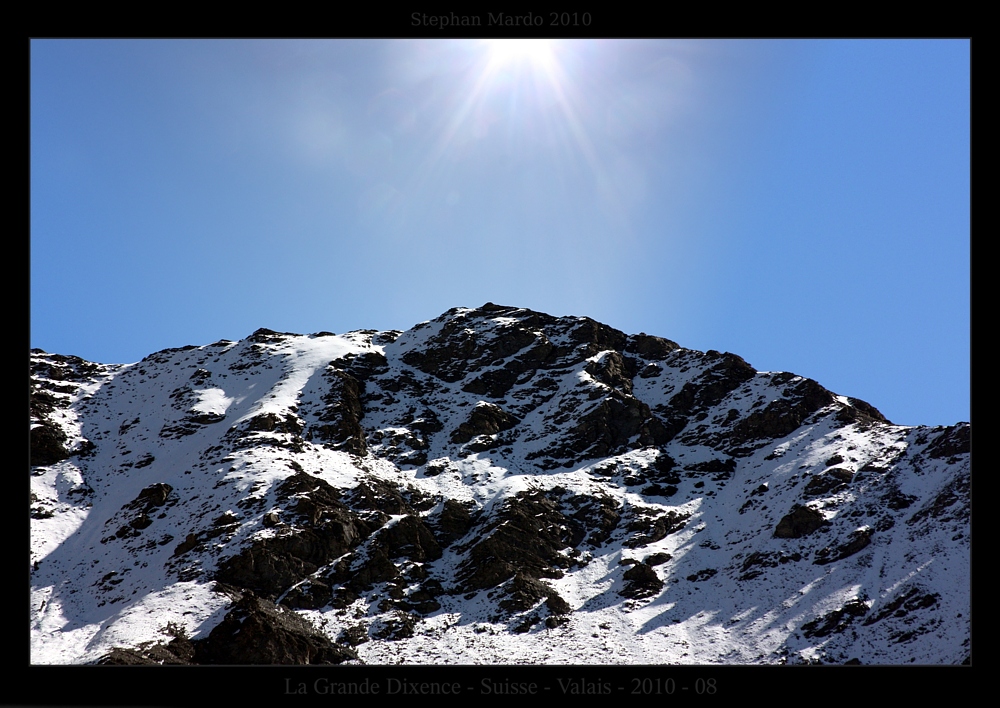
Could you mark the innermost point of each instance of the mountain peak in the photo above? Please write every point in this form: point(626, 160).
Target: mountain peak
point(495, 485)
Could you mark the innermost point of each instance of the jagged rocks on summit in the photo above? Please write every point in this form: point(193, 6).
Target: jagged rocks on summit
point(496, 485)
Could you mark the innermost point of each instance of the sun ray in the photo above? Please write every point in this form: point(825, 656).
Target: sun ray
point(507, 52)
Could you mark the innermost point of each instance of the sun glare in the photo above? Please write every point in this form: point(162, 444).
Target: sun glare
point(525, 97)
point(506, 52)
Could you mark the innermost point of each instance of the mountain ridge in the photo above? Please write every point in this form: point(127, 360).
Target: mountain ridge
point(496, 485)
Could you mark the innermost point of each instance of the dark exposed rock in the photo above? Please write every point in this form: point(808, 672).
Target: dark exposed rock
point(857, 541)
point(649, 347)
point(186, 545)
point(409, 538)
point(663, 470)
point(401, 626)
point(523, 592)
point(364, 365)
point(340, 420)
point(831, 480)
point(641, 581)
point(869, 410)
point(650, 371)
point(151, 497)
point(310, 595)
point(783, 416)
point(454, 522)
point(140, 522)
point(47, 445)
point(754, 564)
point(652, 529)
point(701, 575)
point(557, 606)
point(264, 336)
point(608, 428)
point(189, 425)
point(659, 490)
point(270, 566)
point(714, 466)
point(596, 337)
point(354, 635)
point(377, 568)
point(614, 370)
point(454, 352)
point(953, 441)
point(727, 373)
point(272, 422)
point(896, 500)
point(600, 515)
point(47, 439)
point(656, 559)
point(376, 494)
point(177, 652)
point(526, 536)
point(254, 631)
point(485, 419)
point(908, 600)
point(860, 412)
point(309, 497)
point(836, 621)
point(800, 521)
point(254, 431)
point(427, 423)
point(496, 382)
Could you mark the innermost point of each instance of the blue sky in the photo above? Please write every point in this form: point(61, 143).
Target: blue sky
point(805, 204)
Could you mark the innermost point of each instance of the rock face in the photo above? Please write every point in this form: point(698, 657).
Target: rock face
point(257, 632)
point(254, 631)
point(493, 486)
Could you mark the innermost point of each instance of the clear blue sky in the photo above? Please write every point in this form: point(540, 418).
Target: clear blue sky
point(804, 204)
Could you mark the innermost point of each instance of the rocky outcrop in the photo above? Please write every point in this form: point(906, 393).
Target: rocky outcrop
point(527, 536)
point(456, 351)
point(953, 441)
point(856, 541)
point(782, 416)
point(255, 631)
point(485, 419)
point(837, 620)
point(323, 529)
point(453, 523)
point(54, 380)
point(800, 521)
point(339, 422)
point(641, 581)
point(523, 592)
point(47, 445)
point(828, 482)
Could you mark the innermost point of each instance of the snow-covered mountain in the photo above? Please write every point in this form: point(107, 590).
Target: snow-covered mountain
point(495, 486)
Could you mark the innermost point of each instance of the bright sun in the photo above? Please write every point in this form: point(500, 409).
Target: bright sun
point(504, 52)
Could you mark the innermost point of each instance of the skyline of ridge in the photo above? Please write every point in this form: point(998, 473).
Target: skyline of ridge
point(803, 204)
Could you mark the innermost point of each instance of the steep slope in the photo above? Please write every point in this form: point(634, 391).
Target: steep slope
point(493, 486)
